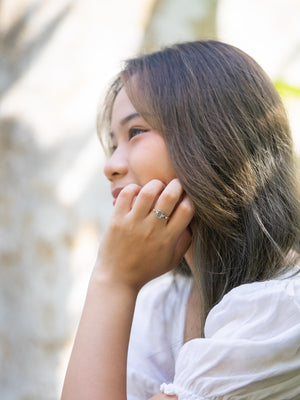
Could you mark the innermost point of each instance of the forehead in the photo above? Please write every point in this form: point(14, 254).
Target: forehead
point(122, 107)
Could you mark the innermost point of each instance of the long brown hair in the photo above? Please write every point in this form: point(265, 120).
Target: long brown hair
point(229, 140)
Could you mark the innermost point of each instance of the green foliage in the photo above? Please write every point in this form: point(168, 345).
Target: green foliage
point(285, 89)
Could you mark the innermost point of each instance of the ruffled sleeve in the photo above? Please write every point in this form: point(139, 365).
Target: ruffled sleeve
point(251, 349)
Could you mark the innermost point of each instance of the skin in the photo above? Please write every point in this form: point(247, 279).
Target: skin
point(140, 153)
point(142, 177)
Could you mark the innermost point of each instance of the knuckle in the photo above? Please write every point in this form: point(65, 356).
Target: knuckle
point(151, 189)
point(176, 183)
point(156, 183)
point(170, 196)
point(146, 194)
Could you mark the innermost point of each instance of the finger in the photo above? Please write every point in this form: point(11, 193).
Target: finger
point(147, 197)
point(169, 198)
point(181, 216)
point(126, 198)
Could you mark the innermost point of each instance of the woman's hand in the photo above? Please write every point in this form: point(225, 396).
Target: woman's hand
point(137, 245)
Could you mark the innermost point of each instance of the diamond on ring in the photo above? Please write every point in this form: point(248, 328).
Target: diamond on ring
point(160, 214)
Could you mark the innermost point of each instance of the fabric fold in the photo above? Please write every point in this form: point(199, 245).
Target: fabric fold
point(251, 349)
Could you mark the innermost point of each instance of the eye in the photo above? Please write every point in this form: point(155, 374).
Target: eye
point(136, 131)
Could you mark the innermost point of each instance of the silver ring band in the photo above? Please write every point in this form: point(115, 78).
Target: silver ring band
point(160, 214)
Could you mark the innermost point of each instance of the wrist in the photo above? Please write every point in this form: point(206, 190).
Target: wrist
point(103, 280)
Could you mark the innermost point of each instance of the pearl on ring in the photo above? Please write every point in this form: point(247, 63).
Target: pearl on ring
point(160, 214)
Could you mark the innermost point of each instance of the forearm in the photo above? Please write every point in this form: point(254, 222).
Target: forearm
point(147, 248)
point(97, 368)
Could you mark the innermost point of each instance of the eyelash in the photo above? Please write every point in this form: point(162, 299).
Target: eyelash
point(132, 130)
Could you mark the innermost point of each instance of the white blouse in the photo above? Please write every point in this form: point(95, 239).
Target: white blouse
point(251, 349)
point(157, 335)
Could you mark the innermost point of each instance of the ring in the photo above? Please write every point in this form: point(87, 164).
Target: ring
point(160, 214)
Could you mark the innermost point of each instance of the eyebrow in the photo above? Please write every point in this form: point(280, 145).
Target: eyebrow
point(128, 118)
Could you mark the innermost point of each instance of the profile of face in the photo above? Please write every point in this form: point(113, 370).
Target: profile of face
point(139, 153)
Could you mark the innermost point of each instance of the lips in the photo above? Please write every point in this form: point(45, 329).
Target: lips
point(115, 193)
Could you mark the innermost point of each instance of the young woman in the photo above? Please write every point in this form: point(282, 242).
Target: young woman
point(202, 173)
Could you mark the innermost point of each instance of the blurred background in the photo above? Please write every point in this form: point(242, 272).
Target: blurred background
point(57, 57)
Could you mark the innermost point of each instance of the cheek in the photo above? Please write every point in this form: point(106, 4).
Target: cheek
point(150, 160)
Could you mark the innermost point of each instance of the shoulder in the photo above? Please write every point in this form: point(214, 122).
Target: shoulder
point(251, 341)
point(257, 308)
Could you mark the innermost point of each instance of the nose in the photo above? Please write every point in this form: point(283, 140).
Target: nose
point(117, 165)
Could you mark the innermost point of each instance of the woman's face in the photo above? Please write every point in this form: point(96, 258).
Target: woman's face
point(139, 152)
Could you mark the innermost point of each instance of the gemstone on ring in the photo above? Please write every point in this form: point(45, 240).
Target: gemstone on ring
point(160, 214)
